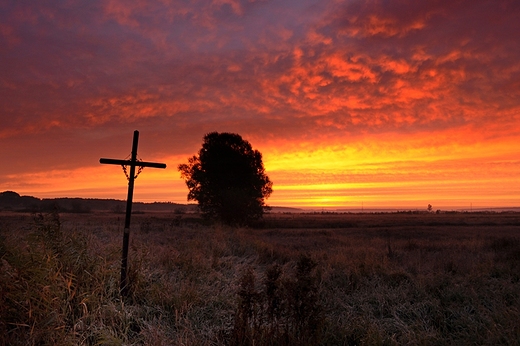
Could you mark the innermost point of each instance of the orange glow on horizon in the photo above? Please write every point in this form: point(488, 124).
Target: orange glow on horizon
point(383, 173)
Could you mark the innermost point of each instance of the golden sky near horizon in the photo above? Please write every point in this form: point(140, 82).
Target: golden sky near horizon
point(362, 102)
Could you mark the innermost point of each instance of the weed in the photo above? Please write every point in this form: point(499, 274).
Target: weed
point(285, 312)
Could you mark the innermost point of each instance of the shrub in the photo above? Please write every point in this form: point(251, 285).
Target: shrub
point(287, 311)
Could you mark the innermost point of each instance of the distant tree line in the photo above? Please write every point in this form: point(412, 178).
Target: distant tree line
point(10, 200)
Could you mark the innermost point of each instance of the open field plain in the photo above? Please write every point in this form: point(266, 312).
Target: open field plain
point(294, 279)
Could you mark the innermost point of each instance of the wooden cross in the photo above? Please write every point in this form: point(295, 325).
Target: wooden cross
point(133, 162)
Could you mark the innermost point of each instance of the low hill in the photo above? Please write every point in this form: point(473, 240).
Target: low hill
point(10, 200)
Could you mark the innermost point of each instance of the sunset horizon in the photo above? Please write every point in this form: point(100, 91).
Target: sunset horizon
point(353, 104)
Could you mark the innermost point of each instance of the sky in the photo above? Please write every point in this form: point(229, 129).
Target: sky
point(352, 103)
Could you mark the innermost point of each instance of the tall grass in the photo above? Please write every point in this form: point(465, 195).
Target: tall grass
point(299, 280)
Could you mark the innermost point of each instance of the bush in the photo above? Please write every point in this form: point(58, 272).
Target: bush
point(287, 311)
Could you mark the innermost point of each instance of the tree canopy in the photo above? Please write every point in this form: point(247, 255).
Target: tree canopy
point(227, 179)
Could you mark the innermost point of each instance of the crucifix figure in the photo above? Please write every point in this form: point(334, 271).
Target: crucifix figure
point(133, 162)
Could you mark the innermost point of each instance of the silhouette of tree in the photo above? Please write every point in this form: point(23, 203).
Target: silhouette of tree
point(227, 179)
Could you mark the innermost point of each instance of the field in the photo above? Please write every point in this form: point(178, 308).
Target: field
point(294, 279)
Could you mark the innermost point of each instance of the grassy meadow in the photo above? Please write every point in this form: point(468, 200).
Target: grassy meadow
point(293, 279)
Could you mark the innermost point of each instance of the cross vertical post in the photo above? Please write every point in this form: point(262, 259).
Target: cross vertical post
point(133, 162)
point(126, 235)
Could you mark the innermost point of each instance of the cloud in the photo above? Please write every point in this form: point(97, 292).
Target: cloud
point(301, 76)
point(451, 63)
point(124, 66)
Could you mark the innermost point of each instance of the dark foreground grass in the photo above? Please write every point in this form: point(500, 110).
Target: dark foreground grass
point(389, 279)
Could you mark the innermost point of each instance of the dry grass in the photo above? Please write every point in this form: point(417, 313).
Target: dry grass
point(360, 279)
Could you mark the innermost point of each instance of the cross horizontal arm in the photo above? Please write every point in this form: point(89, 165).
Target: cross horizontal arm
point(129, 163)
